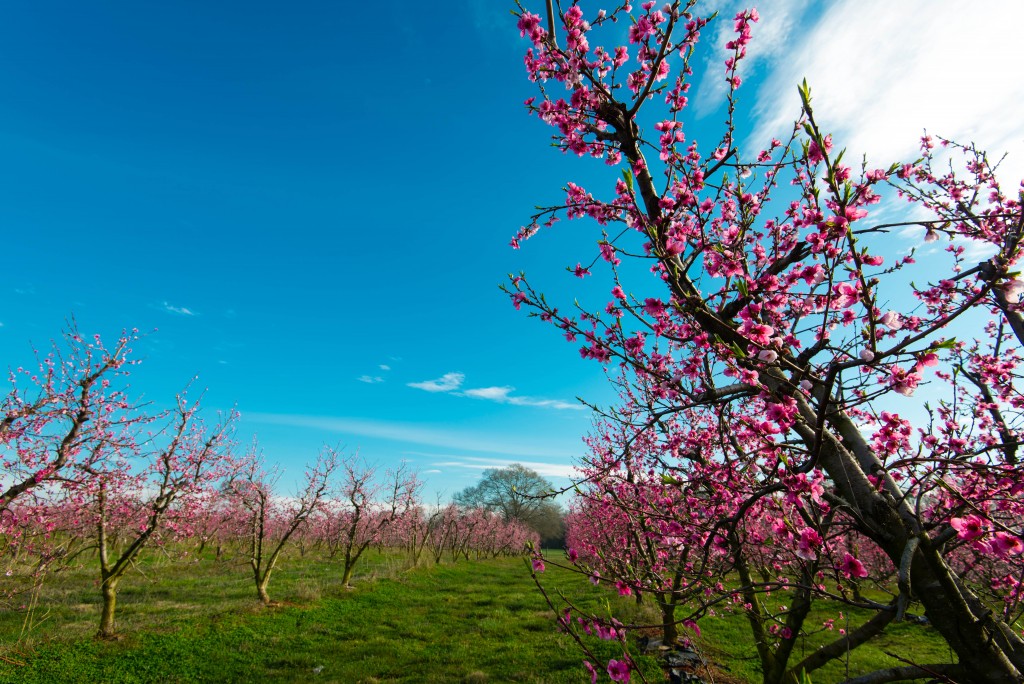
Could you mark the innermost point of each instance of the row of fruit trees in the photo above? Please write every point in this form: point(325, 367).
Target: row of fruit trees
point(91, 477)
point(803, 411)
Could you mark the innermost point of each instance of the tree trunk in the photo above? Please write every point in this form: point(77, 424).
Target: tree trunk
point(669, 628)
point(346, 575)
point(989, 651)
point(109, 591)
point(261, 589)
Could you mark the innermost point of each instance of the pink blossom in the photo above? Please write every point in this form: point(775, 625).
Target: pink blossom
point(1013, 289)
point(814, 153)
point(527, 23)
point(902, 381)
point(968, 528)
point(809, 542)
point(538, 565)
point(891, 320)
point(618, 670)
point(852, 567)
point(608, 254)
point(846, 295)
point(654, 307)
point(1003, 544)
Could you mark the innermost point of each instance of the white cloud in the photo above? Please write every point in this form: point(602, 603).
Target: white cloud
point(503, 395)
point(450, 382)
point(547, 403)
point(370, 379)
point(442, 437)
point(180, 310)
point(446, 383)
point(476, 463)
point(492, 393)
point(384, 367)
point(882, 72)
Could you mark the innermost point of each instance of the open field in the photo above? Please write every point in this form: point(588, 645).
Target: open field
point(480, 621)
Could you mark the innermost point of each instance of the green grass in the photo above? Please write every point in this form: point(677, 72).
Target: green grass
point(474, 622)
point(466, 622)
point(726, 640)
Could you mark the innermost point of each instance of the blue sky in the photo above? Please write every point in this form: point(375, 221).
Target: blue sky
point(311, 205)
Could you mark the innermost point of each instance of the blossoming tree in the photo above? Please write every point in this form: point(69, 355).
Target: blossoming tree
point(55, 413)
point(151, 483)
point(777, 324)
point(269, 521)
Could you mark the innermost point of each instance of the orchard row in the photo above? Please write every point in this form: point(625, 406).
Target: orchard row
point(89, 477)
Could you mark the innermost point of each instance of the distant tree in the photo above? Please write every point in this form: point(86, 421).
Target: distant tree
point(272, 520)
point(517, 493)
point(357, 518)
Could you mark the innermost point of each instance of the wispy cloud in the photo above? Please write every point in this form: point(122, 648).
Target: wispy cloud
point(179, 310)
point(905, 67)
point(374, 379)
point(771, 40)
point(492, 393)
point(446, 383)
point(502, 394)
point(478, 463)
point(425, 435)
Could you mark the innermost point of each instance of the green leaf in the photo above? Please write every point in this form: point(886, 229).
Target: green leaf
point(945, 344)
point(805, 93)
point(627, 176)
point(669, 480)
point(741, 285)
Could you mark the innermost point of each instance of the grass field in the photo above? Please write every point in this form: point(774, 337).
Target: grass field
point(473, 622)
point(465, 622)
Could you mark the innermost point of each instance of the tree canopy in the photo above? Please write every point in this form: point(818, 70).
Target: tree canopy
point(517, 493)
